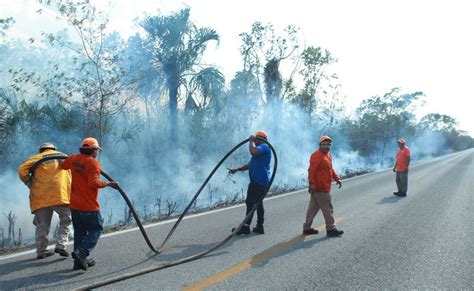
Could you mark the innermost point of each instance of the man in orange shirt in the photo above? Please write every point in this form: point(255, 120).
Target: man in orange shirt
point(401, 168)
point(320, 176)
point(85, 209)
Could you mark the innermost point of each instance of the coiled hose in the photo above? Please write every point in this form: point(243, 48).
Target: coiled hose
point(178, 221)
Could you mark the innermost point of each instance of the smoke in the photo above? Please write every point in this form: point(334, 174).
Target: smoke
point(161, 177)
point(14, 197)
point(429, 144)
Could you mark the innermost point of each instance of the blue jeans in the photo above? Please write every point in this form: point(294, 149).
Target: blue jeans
point(87, 230)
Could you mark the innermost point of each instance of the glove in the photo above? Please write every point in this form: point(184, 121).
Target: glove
point(339, 183)
point(311, 189)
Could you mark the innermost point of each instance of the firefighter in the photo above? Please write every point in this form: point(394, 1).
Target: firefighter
point(259, 173)
point(49, 192)
point(86, 218)
point(320, 176)
point(402, 163)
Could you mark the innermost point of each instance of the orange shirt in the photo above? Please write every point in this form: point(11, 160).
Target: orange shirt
point(403, 155)
point(321, 172)
point(85, 182)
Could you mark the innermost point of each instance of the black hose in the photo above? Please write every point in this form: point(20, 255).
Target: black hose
point(180, 218)
point(124, 196)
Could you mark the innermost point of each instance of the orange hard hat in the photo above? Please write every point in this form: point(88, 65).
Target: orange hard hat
point(402, 141)
point(262, 133)
point(325, 138)
point(90, 142)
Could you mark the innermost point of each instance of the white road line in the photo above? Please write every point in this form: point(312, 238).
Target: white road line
point(18, 254)
point(28, 252)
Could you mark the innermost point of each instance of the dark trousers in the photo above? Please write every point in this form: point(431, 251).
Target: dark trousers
point(254, 193)
point(87, 230)
point(402, 182)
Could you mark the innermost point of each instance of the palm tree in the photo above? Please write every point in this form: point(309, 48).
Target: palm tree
point(205, 89)
point(177, 45)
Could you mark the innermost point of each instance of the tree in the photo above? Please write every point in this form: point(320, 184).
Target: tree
point(263, 50)
point(382, 119)
point(5, 24)
point(263, 47)
point(438, 122)
point(177, 45)
point(315, 60)
point(97, 78)
point(446, 127)
point(205, 88)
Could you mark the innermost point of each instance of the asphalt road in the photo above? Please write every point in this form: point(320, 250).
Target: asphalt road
point(423, 241)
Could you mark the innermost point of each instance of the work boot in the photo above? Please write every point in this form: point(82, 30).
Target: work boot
point(396, 193)
point(310, 231)
point(89, 262)
point(61, 252)
point(80, 261)
point(258, 229)
point(401, 194)
point(45, 254)
point(334, 232)
point(244, 230)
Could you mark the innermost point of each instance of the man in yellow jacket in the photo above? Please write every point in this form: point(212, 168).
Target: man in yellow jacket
point(50, 191)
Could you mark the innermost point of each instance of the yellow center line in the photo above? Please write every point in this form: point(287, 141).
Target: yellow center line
point(252, 261)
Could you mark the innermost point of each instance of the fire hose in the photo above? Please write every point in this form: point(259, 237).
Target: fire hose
point(178, 221)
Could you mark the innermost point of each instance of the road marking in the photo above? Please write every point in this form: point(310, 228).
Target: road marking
point(32, 251)
point(5, 257)
point(252, 261)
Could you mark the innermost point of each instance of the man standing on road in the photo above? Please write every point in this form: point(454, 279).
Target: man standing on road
point(85, 208)
point(259, 172)
point(49, 192)
point(401, 168)
point(320, 176)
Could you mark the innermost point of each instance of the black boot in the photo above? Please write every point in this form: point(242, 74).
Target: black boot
point(259, 229)
point(80, 261)
point(89, 262)
point(45, 254)
point(61, 252)
point(334, 232)
point(244, 230)
point(396, 193)
point(310, 231)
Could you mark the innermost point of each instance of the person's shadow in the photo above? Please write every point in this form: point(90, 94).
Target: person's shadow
point(37, 279)
point(300, 244)
point(15, 266)
point(390, 200)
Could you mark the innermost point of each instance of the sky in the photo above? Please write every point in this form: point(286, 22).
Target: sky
point(418, 45)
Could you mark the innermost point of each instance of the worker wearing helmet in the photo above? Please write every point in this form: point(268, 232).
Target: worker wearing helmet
point(320, 176)
point(259, 173)
point(401, 168)
point(86, 218)
point(49, 192)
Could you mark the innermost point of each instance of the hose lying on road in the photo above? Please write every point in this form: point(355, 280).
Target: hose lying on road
point(178, 221)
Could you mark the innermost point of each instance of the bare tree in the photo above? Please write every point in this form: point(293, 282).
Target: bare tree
point(11, 217)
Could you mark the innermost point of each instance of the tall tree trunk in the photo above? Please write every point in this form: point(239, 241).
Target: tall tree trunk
point(173, 107)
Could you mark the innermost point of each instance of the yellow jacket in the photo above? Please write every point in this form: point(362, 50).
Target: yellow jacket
point(51, 184)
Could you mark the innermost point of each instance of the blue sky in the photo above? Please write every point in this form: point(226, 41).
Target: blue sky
point(418, 45)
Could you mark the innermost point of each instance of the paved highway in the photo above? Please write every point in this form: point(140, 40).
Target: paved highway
point(423, 241)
